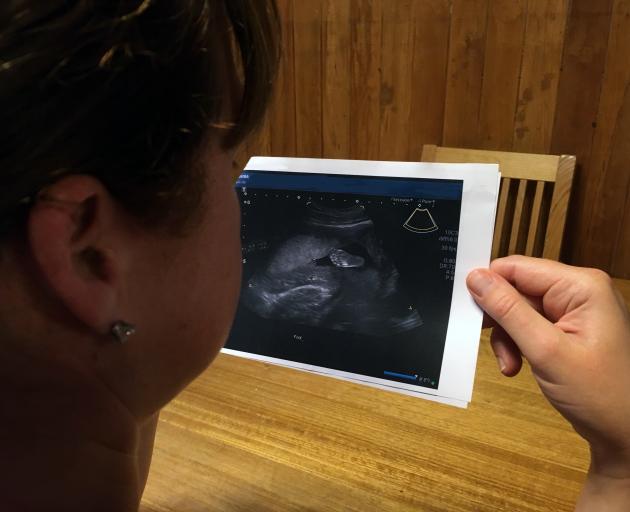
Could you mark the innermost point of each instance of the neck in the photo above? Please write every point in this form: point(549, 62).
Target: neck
point(67, 443)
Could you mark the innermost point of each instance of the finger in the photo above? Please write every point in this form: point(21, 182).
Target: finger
point(534, 302)
point(535, 336)
point(562, 288)
point(506, 351)
point(531, 276)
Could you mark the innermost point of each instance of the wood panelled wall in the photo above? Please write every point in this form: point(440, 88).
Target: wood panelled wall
point(377, 79)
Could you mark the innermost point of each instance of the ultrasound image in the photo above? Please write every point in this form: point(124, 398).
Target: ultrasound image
point(343, 275)
point(333, 273)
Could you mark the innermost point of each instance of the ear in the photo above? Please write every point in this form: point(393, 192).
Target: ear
point(73, 231)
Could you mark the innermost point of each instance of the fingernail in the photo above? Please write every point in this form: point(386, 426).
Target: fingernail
point(502, 365)
point(479, 281)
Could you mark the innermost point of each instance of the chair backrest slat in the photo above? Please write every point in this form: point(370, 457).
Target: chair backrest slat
point(559, 207)
point(500, 226)
point(519, 219)
point(522, 166)
point(534, 222)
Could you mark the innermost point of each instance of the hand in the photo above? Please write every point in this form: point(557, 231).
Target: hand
point(574, 329)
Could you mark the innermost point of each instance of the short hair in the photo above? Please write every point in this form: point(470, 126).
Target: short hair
point(127, 91)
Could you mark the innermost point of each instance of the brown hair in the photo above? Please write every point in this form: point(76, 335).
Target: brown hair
point(126, 91)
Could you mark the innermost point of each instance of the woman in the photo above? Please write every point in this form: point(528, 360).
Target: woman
point(118, 214)
point(120, 257)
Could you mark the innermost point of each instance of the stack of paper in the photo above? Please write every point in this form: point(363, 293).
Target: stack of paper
point(357, 270)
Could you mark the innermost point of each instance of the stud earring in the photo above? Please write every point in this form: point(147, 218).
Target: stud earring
point(122, 331)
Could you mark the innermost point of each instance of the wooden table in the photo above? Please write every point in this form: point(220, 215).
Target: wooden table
point(248, 436)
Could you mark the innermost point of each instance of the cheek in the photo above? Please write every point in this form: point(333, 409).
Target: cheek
point(233, 255)
point(220, 278)
point(183, 298)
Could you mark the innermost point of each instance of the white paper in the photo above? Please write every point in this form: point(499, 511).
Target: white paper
point(479, 194)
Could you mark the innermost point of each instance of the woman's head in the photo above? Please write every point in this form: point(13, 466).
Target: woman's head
point(126, 91)
point(119, 120)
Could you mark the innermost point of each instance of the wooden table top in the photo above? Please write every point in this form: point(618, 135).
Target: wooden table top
point(249, 436)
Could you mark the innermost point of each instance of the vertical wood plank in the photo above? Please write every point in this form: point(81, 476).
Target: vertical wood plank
point(579, 93)
point(465, 72)
point(307, 38)
point(337, 79)
point(580, 82)
point(365, 78)
point(621, 254)
point(544, 40)
point(431, 25)
point(395, 94)
point(612, 213)
point(602, 186)
point(282, 115)
point(503, 52)
point(621, 156)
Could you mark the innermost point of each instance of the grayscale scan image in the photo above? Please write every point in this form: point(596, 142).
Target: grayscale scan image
point(333, 273)
point(349, 273)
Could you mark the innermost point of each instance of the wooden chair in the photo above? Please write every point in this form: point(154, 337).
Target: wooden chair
point(533, 200)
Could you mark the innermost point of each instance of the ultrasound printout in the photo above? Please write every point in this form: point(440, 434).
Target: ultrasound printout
point(348, 273)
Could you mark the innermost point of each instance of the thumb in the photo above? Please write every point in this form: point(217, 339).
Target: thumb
point(536, 337)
